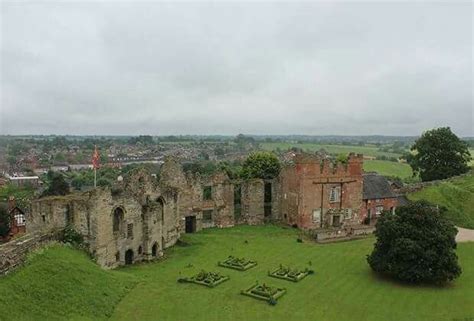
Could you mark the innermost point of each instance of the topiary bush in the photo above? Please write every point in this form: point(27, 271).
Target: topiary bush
point(417, 244)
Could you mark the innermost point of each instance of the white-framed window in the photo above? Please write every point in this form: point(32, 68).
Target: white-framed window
point(378, 210)
point(317, 216)
point(20, 219)
point(335, 194)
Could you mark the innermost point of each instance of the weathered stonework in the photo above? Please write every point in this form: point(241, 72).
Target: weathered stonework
point(140, 216)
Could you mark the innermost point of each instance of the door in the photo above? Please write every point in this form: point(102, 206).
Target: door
point(129, 257)
point(190, 224)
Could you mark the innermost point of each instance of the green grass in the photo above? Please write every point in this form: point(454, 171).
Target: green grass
point(371, 150)
point(387, 168)
point(343, 287)
point(457, 195)
point(61, 283)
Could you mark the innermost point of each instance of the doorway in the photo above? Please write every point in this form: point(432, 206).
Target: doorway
point(129, 257)
point(190, 226)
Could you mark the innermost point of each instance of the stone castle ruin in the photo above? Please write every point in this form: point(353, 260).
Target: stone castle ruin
point(140, 216)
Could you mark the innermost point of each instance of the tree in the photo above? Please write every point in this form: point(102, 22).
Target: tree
point(416, 245)
point(439, 154)
point(5, 220)
point(57, 185)
point(263, 165)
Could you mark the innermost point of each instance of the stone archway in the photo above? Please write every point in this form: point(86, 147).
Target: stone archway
point(154, 250)
point(129, 257)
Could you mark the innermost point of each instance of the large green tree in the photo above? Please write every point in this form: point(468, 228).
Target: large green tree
point(57, 185)
point(439, 154)
point(261, 165)
point(416, 245)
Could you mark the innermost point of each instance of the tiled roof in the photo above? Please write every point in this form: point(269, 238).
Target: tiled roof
point(376, 186)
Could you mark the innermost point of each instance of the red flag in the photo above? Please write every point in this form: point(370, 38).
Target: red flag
point(95, 158)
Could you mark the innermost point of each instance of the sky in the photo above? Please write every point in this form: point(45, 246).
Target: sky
point(313, 68)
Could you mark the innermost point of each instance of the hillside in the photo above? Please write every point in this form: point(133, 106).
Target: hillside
point(61, 283)
point(457, 195)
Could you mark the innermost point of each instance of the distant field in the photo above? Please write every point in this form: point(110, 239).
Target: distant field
point(62, 284)
point(457, 196)
point(387, 168)
point(333, 149)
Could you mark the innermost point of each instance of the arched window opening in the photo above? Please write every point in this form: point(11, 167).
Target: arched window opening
point(117, 219)
point(154, 249)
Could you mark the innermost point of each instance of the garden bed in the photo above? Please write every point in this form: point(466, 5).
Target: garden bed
point(265, 293)
point(209, 279)
point(235, 263)
point(288, 274)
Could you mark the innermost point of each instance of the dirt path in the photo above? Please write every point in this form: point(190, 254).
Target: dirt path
point(465, 235)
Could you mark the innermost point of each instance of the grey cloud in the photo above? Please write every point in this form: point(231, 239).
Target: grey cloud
point(225, 68)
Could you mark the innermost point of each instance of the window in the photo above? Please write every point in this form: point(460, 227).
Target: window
point(130, 231)
point(117, 256)
point(207, 193)
point(378, 210)
point(335, 194)
point(43, 217)
point(268, 193)
point(20, 219)
point(237, 201)
point(140, 250)
point(207, 216)
point(117, 219)
point(317, 216)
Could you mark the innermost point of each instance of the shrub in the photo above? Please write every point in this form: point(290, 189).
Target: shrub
point(416, 245)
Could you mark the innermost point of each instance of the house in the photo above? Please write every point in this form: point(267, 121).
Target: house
point(378, 196)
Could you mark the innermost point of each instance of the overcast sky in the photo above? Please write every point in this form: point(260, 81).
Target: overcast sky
point(228, 68)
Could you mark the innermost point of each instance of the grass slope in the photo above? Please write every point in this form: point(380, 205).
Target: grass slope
point(342, 289)
point(457, 195)
point(61, 283)
point(387, 168)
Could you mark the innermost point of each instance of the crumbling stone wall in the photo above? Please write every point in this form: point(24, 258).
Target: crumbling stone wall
point(13, 254)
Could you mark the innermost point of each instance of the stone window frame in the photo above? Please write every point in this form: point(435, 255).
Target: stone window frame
point(207, 193)
point(207, 219)
point(129, 230)
point(335, 194)
point(117, 228)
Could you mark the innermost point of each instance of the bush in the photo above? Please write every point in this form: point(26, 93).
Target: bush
point(71, 236)
point(416, 245)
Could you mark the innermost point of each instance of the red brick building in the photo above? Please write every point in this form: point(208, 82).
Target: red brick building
point(17, 219)
point(315, 193)
point(378, 196)
point(318, 194)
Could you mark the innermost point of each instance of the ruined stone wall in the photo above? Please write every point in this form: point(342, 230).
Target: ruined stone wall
point(253, 201)
point(138, 217)
point(13, 254)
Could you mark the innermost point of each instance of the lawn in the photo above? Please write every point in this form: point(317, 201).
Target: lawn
point(457, 195)
point(332, 149)
point(387, 168)
point(342, 288)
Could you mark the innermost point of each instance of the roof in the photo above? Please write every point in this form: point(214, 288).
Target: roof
point(376, 186)
point(402, 200)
